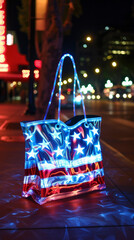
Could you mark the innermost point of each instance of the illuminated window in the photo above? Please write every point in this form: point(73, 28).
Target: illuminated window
point(116, 42)
point(109, 57)
point(123, 52)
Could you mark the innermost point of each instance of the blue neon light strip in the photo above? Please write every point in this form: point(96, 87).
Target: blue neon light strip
point(66, 179)
point(34, 123)
point(76, 79)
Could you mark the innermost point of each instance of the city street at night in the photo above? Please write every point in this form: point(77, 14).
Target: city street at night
point(117, 125)
point(106, 214)
point(71, 175)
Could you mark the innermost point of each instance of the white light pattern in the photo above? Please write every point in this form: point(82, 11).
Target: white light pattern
point(31, 154)
point(108, 84)
point(69, 163)
point(29, 136)
point(95, 130)
point(59, 151)
point(88, 140)
point(65, 179)
point(44, 144)
point(55, 134)
point(76, 136)
point(67, 143)
point(98, 146)
point(127, 82)
point(79, 149)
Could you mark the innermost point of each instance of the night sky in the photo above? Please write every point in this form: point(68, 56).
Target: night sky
point(99, 13)
point(96, 15)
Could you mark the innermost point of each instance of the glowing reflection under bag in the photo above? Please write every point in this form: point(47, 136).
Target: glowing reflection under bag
point(62, 159)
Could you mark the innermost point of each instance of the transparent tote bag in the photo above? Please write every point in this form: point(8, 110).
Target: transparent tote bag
point(62, 159)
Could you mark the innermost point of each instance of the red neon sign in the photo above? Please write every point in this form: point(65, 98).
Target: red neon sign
point(1, 3)
point(38, 63)
point(26, 73)
point(4, 67)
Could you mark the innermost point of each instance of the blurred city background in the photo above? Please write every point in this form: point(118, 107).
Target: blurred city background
point(101, 39)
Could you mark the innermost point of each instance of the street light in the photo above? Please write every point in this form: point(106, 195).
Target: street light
point(106, 28)
point(127, 82)
point(108, 84)
point(88, 38)
point(126, 78)
point(114, 64)
point(65, 82)
point(84, 45)
point(97, 70)
point(97, 81)
point(85, 75)
point(70, 80)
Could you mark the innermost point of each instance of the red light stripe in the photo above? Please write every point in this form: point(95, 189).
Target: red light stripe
point(63, 171)
point(98, 183)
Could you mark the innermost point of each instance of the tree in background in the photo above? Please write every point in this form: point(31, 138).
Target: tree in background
point(58, 20)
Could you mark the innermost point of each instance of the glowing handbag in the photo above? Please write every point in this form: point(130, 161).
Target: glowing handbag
point(62, 159)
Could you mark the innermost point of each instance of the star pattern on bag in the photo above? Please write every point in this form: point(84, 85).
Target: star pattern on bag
point(31, 154)
point(55, 134)
point(59, 151)
point(88, 140)
point(44, 145)
point(81, 140)
point(79, 149)
point(67, 143)
point(98, 146)
point(76, 136)
point(95, 131)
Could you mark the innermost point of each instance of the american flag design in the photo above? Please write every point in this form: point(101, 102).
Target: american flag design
point(62, 159)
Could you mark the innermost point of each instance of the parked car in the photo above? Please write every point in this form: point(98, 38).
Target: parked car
point(119, 93)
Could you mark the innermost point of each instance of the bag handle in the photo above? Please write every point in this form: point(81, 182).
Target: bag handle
point(59, 71)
